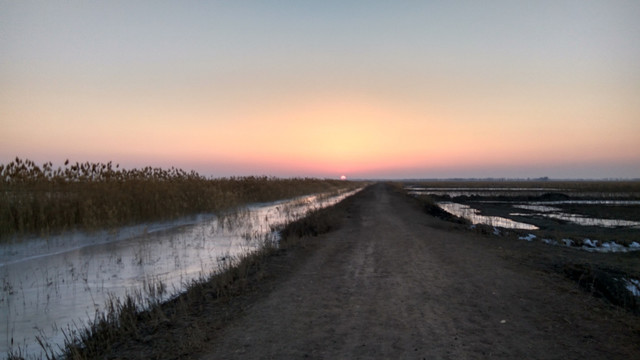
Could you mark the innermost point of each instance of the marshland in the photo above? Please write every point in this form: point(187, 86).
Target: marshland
point(601, 216)
point(81, 240)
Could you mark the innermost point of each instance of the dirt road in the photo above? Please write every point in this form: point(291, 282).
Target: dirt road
point(395, 283)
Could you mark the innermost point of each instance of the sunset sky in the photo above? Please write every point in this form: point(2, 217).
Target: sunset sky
point(374, 89)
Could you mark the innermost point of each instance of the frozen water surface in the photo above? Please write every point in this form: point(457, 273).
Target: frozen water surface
point(633, 286)
point(471, 191)
point(473, 215)
point(589, 221)
point(557, 213)
point(48, 284)
point(529, 237)
point(540, 208)
point(544, 209)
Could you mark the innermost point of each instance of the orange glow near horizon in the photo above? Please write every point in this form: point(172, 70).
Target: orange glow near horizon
point(330, 135)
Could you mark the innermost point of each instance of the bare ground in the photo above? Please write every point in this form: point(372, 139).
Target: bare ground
point(394, 282)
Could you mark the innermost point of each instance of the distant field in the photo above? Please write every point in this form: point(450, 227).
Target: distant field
point(42, 200)
point(579, 213)
point(624, 186)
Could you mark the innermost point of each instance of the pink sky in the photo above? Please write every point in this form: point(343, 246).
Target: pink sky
point(370, 89)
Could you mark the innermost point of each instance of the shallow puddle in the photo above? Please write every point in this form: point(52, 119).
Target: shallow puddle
point(582, 220)
point(558, 214)
point(49, 284)
point(473, 215)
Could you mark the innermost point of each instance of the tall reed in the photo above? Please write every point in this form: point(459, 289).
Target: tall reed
point(43, 199)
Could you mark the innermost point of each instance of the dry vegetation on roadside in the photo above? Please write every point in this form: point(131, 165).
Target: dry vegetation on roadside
point(42, 200)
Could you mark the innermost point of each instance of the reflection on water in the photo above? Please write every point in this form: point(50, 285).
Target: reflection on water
point(542, 208)
point(49, 283)
point(557, 213)
point(583, 220)
point(590, 202)
point(471, 191)
point(539, 208)
point(474, 216)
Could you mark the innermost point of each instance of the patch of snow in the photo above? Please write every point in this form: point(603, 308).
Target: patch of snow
point(529, 237)
point(496, 231)
point(519, 214)
point(612, 246)
point(634, 246)
point(633, 286)
point(589, 242)
point(567, 242)
point(549, 242)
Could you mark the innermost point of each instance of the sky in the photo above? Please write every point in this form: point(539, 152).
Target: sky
point(366, 89)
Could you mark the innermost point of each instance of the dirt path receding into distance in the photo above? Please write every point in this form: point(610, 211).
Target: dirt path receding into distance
point(395, 283)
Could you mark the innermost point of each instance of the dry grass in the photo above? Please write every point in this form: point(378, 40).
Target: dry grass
point(42, 200)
